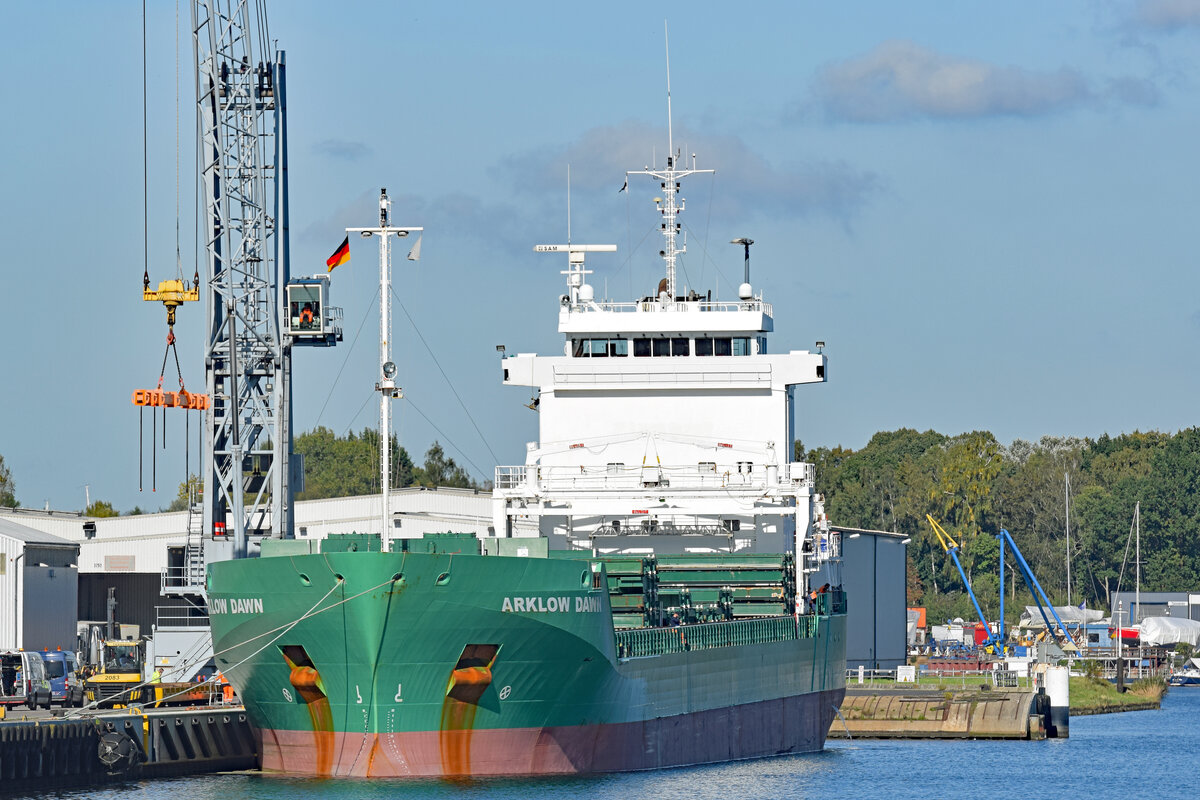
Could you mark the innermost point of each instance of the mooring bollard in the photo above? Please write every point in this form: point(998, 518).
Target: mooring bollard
point(1058, 688)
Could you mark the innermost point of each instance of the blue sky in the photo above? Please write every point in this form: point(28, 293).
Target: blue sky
point(986, 211)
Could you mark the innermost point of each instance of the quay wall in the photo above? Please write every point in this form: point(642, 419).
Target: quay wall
point(39, 752)
point(928, 714)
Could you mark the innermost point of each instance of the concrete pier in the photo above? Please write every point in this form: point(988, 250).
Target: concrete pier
point(913, 713)
point(40, 751)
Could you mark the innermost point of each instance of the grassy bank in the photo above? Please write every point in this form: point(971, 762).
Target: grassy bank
point(1098, 696)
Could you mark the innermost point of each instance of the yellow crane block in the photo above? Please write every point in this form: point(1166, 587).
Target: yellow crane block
point(172, 294)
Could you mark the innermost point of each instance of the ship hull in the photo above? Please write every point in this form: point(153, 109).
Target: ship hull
point(369, 675)
point(770, 728)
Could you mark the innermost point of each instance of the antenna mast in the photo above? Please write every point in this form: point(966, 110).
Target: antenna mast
point(670, 205)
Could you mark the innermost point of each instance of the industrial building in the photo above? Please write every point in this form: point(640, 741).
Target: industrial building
point(1133, 607)
point(873, 573)
point(39, 583)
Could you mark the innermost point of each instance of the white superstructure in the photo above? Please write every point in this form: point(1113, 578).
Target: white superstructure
point(666, 424)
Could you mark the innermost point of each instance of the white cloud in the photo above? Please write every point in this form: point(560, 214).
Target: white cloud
point(902, 80)
point(747, 183)
point(343, 149)
point(1168, 15)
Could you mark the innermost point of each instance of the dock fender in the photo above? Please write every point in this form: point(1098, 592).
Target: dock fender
point(117, 752)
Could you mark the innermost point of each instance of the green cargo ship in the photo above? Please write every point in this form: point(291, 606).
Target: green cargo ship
point(356, 662)
point(643, 596)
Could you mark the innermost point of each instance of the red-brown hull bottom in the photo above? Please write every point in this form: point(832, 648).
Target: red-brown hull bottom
point(769, 728)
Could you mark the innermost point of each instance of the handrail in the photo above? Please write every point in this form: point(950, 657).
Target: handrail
point(653, 306)
point(639, 642)
point(621, 477)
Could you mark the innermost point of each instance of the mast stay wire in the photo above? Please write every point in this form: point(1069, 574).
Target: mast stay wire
point(346, 360)
point(442, 433)
point(716, 266)
point(445, 376)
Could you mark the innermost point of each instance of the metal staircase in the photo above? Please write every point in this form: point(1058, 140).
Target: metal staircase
point(188, 579)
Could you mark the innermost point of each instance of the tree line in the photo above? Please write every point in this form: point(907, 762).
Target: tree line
point(973, 486)
point(334, 466)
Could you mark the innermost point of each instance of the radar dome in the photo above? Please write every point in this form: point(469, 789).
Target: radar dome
point(745, 292)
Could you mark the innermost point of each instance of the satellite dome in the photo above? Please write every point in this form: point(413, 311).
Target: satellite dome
point(745, 292)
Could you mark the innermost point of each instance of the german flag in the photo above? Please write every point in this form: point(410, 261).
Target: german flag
point(340, 256)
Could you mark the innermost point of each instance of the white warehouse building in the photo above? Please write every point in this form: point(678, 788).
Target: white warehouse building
point(39, 584)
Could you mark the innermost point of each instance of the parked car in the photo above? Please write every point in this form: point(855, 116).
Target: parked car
point(65, 688)
point(23, 679)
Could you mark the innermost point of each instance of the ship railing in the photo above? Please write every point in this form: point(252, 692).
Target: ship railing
point(180, 617)
point(639, 642)
point(182, 580)
point(655, 306)
point(831, 602)
point(620, 477)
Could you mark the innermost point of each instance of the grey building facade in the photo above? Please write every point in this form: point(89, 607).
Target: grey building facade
point(873, 573)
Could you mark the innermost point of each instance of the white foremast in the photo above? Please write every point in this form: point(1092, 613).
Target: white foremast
point(387, 368)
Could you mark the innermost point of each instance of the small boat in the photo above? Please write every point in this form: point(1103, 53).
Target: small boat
point(1187, 675)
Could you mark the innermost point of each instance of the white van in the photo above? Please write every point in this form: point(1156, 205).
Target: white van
point(23, 679)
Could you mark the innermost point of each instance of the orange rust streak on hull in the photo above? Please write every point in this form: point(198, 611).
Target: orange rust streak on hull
point(454, 738)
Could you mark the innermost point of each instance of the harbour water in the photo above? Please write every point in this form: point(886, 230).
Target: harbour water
point(1139, 753)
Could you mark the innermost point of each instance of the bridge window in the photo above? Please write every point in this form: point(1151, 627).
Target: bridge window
point(722, 347)
point(741, 345)
point(704, 346)
point(641, 348)
point(662, 347)
point(680, 346)
point(599, 348)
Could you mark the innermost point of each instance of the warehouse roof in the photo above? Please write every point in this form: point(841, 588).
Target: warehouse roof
point(32, 535)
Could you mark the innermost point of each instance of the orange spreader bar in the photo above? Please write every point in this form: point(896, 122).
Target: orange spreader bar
point(180, 399)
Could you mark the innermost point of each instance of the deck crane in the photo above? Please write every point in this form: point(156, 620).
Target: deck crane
point(951, 547)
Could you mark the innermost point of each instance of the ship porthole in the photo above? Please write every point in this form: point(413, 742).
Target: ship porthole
point(399, 576)
point(443, 579)
point(339, 577)
point(305, 579)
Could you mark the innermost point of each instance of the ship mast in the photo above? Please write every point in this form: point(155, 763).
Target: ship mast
point(386, 386)
point(670, 205)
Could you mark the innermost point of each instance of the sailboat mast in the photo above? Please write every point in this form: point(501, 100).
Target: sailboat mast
point(1067, 506)
point(1137, 586)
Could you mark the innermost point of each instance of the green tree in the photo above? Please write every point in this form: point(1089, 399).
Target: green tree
point(346, 466)
point(440, 470)
point(8, 497)
point(101, 508)
point(184, 494)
